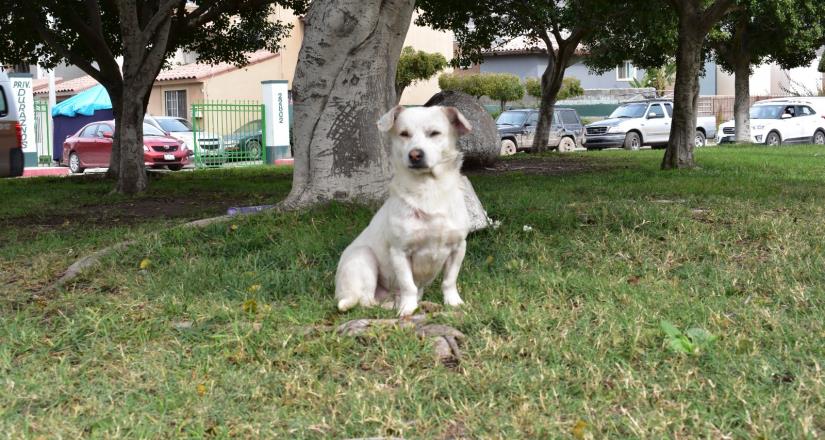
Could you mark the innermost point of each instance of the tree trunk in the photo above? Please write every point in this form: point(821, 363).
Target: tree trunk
point(551, 81)
point(115, 95)
point(742, 87)
point(129, 130)
point(742, 100)
point(679, 153)
point(344, 82)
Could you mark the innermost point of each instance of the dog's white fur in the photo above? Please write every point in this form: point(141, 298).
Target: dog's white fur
point(422, 226)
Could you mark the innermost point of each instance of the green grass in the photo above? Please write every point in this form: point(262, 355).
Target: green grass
point(564, 323)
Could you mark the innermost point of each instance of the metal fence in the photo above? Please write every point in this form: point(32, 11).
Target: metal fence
point(42, 132)
point(228, 133)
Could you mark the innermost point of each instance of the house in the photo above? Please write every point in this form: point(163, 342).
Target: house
point(770, 80)
point(525, 59)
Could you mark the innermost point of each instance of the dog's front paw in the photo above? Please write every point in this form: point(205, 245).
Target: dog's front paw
point(452, 299)
point(407, 306)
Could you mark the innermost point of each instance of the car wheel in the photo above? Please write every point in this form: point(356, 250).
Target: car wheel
point(700, 140)
point(253, 149)
point(16, 162)
point(773, 139)
point(175, 167)
point(819, 137)
point(508, 147)
point(632, 141)
point(74, 164)
point(567, 145)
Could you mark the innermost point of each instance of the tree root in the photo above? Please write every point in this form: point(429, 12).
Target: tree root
point(445, 339)
point(94, 258)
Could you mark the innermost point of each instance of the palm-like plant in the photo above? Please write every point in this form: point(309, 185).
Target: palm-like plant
point(660, 78)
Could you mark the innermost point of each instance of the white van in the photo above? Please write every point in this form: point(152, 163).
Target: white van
point(11, 133)
point(782, 120)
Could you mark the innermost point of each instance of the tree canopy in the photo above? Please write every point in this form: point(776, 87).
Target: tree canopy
point(416, 65)
point(502, 87)
point(558, 26)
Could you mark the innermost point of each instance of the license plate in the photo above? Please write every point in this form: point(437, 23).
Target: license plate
point(168, 157)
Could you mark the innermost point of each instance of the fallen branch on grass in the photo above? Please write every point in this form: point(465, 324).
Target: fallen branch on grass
point(445, 339)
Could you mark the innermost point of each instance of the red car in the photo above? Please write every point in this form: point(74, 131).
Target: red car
point(91, 147)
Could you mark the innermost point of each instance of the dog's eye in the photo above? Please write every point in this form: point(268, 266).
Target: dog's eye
point(434, 133)
point(404, 134)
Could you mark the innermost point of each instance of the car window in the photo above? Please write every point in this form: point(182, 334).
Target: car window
point(103, 128)
point(636, 110)
point(669, 108)
point(533, 119)
point(4, 105)
point(511, 118)
point(790, 110)
point(657, 110)
point(90, 131)
point(804, 110)
point(569, 117)
point(174, 125)
point(766, 111)
point(151, 130)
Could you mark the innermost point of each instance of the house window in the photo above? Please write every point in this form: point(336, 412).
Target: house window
point(625, 71)
point(176, 103)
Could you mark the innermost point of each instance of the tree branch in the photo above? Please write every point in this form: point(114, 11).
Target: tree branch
point(158, 18)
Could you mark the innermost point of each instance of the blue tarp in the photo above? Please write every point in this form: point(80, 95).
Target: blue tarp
point(84, 103)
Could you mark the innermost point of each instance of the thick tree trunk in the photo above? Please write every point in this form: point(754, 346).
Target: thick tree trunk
point(742, 99)
point(115, 95)
point(551, 81)
point(132, 176)
point(679, 153)
point(344, 82)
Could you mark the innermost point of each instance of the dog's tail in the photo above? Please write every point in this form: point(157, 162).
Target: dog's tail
point(357, 278)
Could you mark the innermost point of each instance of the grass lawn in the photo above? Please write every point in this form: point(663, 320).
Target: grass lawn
point(567, 324)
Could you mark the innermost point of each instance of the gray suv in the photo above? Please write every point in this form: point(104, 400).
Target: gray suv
point(517, 128)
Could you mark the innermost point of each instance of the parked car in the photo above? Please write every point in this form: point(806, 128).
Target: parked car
point(778, 121)
point(517, 129)
point(637, 123)
point(209, 144)
point(11, 133)
point(245, 143)
point(91, 147)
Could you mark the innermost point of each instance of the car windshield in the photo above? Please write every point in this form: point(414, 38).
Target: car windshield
point(767, 111)
point(249, 127)
point(629, 111)
point(511, 118)
point(150, 130)
point(175, 125)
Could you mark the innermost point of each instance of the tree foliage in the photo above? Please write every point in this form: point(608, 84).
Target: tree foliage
point(570, 88)
point(659, 78)
point(557, 26)
point(416, 65)
point(502, 87)
point(94, 34)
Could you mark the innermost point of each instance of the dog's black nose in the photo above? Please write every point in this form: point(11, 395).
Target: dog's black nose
point(416, 157)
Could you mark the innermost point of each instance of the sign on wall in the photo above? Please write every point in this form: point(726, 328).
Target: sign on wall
point(21, 85)
point(276, 102)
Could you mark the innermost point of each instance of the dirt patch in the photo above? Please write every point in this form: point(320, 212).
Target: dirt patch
point(547, 166)
point(193, 205)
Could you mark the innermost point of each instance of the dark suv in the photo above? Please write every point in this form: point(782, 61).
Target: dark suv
point(517, 128)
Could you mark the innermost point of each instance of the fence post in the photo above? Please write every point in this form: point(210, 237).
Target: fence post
point(276, 108)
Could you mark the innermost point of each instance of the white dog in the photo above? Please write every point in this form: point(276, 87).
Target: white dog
point(422, 226)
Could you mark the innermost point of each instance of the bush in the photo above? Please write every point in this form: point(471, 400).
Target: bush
point(502, 87)
point(570, 87)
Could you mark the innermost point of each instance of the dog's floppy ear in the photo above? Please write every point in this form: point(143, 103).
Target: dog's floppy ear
point(459, 122)
point(388, 120)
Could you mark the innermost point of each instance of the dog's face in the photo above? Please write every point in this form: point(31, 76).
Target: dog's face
point(424, 138)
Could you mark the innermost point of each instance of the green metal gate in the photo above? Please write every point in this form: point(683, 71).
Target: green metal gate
point(229, 133)
point(42, 132)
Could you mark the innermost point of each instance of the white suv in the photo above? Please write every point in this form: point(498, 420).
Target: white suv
point(785, 120)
